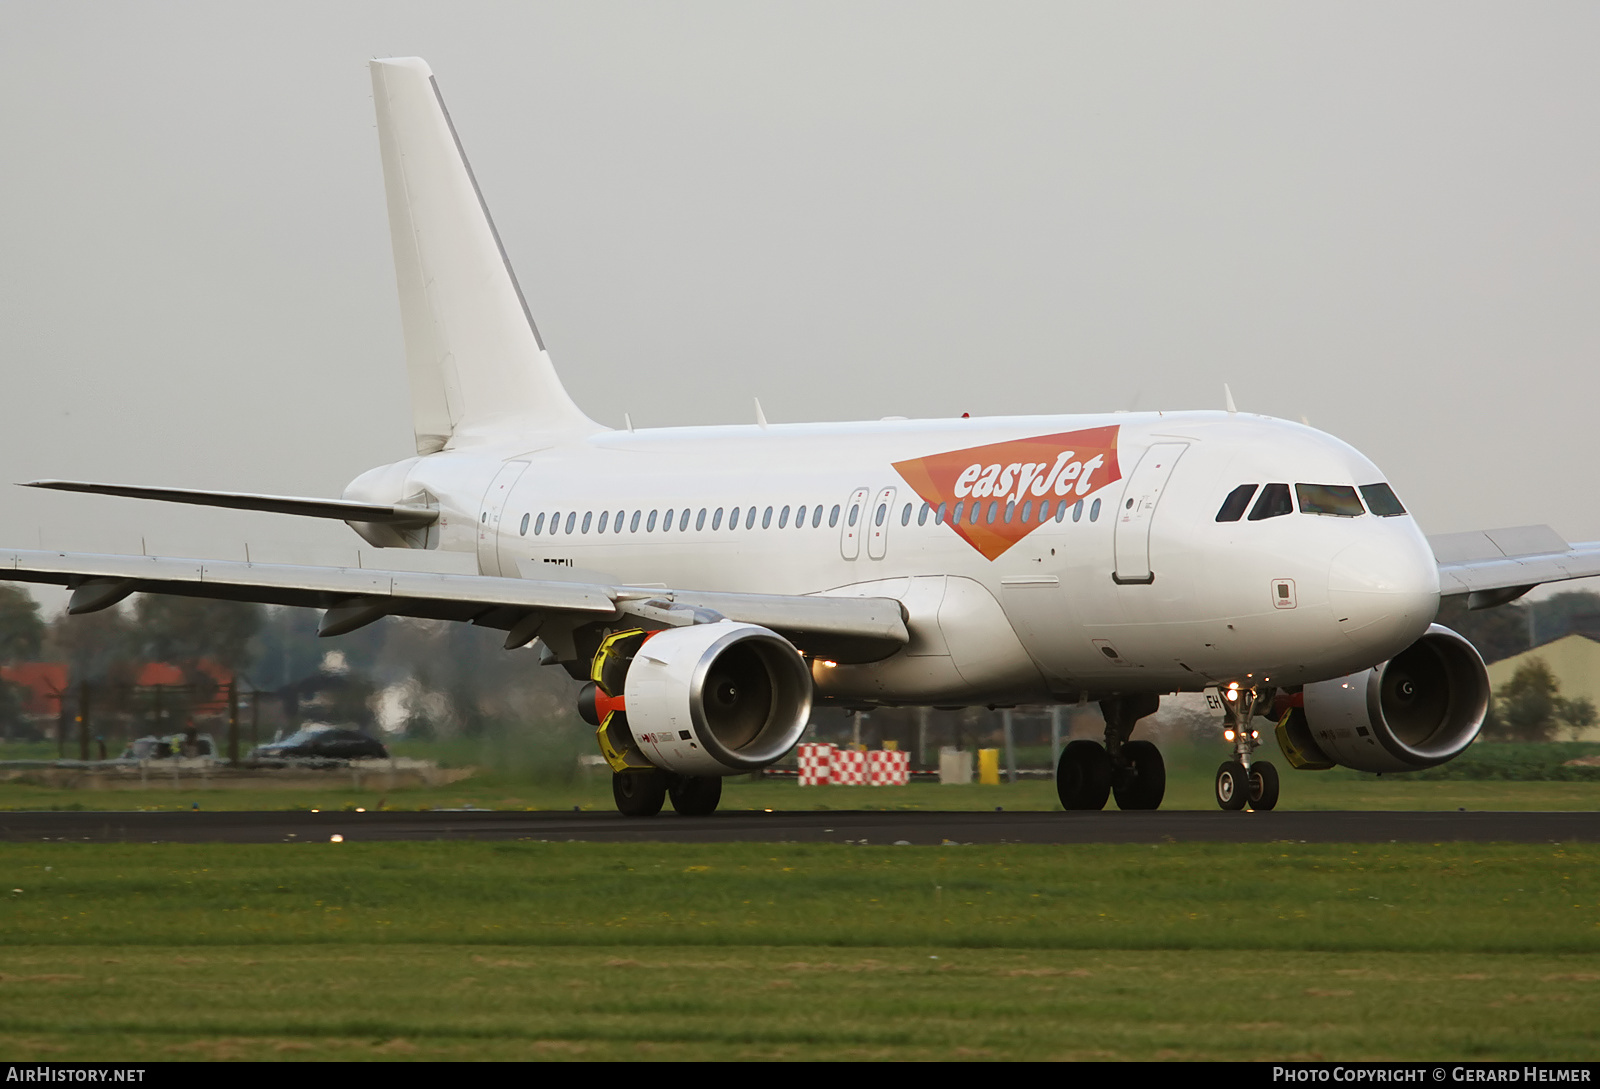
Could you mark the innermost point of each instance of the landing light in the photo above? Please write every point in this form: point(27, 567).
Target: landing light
point(1227, 735)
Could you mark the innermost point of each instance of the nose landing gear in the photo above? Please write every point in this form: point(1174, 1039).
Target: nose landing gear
point(1244, 780)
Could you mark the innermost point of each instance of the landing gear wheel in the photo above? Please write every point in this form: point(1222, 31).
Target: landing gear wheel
point(639, 793)
point(1143, 783)
point(695, 796)
point(1233, 785)
point(1083, 776)
point(1263, 786)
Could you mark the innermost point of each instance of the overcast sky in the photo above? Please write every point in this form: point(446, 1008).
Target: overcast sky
point(1382, 217)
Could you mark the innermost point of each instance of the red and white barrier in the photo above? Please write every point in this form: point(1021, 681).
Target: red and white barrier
point(849, 767)
point(822, 764)
point(888, 768)
point(816, 763)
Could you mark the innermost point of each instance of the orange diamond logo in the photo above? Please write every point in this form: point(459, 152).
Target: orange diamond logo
point(995, 495)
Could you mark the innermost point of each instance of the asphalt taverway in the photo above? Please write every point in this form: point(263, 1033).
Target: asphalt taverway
point(806, 827)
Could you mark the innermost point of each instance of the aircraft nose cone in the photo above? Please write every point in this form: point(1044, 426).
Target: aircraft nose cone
point(1384, 593)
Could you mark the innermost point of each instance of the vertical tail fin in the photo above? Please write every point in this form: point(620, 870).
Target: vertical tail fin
point(476, 361)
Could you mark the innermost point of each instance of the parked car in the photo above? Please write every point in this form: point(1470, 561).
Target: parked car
point(322, 742)
point(165, 748)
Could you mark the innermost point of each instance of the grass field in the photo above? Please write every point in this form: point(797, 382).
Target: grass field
point(729, 951)
point(746, 951)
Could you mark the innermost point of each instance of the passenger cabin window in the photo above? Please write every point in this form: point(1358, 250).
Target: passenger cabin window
point(1339, 500)
point(1273, 502)
point(1381, 500)
point(525, 519)
point(1238, 501)
point(833, 516)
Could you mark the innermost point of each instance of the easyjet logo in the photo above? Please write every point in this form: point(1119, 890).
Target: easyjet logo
point(995, 495)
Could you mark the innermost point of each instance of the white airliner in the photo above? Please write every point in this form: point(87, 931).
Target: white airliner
point(711, 582)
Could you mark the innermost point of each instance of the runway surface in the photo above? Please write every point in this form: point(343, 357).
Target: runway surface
point(807, 827)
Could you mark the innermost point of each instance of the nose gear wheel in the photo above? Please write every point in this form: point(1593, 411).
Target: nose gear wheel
point(1233, 785)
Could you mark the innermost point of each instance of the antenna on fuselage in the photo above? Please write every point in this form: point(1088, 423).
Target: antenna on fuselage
point(761, 417)
point(1227, 399)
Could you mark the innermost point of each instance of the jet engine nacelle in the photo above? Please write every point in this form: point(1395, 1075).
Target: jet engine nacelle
point(1419, 709)
point(717, 699)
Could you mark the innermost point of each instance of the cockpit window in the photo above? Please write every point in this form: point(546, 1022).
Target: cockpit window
point(1273, 502)
point(1233, 507)
point(1381, 500)
point(1335, 499)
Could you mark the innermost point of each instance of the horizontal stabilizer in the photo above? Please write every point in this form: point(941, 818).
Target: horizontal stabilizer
point(342, 509)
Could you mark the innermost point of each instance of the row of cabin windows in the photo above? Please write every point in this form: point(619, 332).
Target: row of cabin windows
point(1339, 500)
point(673, 518)
point(680, 519)
point(994, 511)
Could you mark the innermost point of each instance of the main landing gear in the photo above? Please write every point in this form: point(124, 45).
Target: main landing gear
point(1133, 772)
point(1243, 780)
point(642, 793)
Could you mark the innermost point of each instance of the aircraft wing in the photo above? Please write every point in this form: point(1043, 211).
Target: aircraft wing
point(1494, 566)
point(845, 629)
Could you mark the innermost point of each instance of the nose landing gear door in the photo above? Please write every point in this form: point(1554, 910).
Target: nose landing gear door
point(1138, 511)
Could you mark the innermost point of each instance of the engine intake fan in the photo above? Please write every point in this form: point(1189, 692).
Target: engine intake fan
point(714, 699)
point(1419, 709)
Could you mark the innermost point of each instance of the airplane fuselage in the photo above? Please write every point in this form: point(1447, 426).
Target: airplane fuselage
point(1037, 558)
